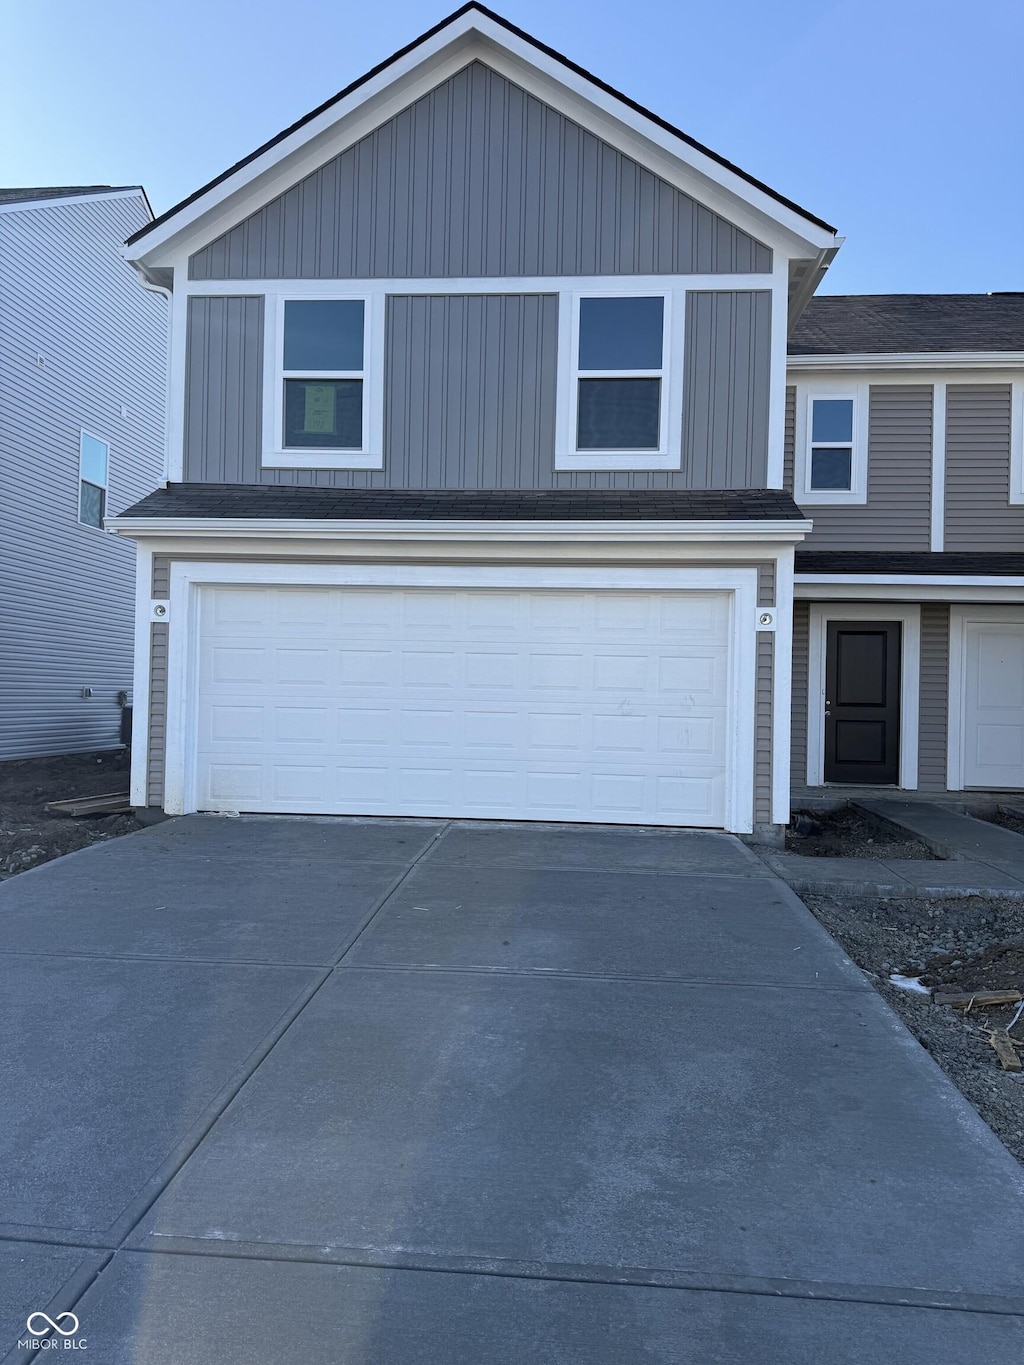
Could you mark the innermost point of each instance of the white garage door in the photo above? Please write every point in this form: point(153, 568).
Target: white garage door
point(542, 705)
point(993, 724)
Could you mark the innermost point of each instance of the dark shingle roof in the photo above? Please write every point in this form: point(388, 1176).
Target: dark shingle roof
point(910, 562)
point(877, 324)
point(25, 196)
point(242, 501)
point(533, 42)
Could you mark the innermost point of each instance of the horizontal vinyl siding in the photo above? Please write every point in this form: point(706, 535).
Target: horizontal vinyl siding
point(726, 389)
point(67, 590)
point(934, 696)
point(897, 514)
point(479, 178)
point(470, 396)
point(801, 663)
point(978, 511)
point(157, 714)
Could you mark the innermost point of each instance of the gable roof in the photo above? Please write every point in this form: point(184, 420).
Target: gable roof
point(890, 324)
point(475, 8)
point(40, 192)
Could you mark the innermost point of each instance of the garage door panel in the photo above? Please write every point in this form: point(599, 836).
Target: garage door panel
point(377, 702)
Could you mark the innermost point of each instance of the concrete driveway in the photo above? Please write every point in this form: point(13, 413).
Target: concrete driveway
point(397, 1091)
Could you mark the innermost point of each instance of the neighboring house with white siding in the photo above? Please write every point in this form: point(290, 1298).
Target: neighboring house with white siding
point(492, 491)
point(82, 403)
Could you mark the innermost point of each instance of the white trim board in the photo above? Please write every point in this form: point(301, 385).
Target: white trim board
point(188, 576)
point(911, 587)
point(959, 617)
point(468, 37)
point(909, 616)
point(476, 284)
point(1017, 443)
point(933, 361)
point(440, 529)
point(139, 780)
point(782, 688)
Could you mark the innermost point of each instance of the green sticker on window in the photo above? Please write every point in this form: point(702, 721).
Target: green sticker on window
point(319, 415)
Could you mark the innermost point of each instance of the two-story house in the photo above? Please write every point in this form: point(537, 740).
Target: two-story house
point(82, 389)
point(479, 494)
point(904, 423)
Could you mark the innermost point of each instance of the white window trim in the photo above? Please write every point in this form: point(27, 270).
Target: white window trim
point(183, 641)
point(371, 455)
point(84, 431)
point(1017, 443)
point(909, 616)
point(857, 493)
point(959, 619)
point(670, 443)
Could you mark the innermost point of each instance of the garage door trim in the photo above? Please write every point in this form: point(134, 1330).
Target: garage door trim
point(183, 654)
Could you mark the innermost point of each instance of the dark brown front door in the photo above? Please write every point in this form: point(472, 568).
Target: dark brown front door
point(862, 702)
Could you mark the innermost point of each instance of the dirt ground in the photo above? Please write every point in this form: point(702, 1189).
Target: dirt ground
point(954, 945)
point(29, 835)
point(1009, 819)
point(847, 833)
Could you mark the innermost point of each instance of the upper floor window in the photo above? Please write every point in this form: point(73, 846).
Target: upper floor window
point(831, 445)
point(617, 406)
point(325, 377)
point(93, 467)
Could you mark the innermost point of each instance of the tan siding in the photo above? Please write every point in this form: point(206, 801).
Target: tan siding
point(161, 576)
point(897, 514)
point(798, 735)
point(763, 729)
point(157, 714)
point(978, 511)
point(934, 696)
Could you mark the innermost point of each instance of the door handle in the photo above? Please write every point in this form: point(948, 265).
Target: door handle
point(828, 713)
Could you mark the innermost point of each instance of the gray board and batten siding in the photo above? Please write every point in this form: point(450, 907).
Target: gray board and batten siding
point(478, 178)
point(81, 346)
point(470, 395)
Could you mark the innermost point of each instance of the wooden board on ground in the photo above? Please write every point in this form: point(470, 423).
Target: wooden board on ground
point(112, 803)
point(1005, 1050)
point(976, 999)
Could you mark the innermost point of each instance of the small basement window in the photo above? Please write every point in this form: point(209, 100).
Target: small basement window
point(325, 393)
point(93, 467)
point(832, 447)
point(615, 398)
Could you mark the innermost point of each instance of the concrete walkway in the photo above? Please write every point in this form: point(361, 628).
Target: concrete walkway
point(410, 1092)
point(973, 858)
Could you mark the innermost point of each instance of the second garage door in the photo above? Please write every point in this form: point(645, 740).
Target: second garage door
point(544, 705)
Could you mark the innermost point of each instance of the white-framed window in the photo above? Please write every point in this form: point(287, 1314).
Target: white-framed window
point(323, 375)
point(831, 463)
point(93, 473)
point(620, 379)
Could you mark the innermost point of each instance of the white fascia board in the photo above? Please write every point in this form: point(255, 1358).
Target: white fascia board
point(935, 361)
point(22, 205)
point(469, 37)
point(908, 588)
point(440, 530)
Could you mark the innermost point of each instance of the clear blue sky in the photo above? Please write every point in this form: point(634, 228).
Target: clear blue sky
point(900, 121)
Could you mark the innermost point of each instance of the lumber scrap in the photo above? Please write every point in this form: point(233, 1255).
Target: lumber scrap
point(1005, 1050)
point(110, 803)
point(976, 999)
